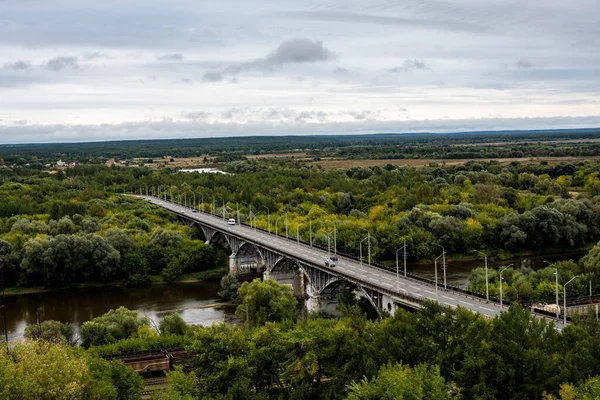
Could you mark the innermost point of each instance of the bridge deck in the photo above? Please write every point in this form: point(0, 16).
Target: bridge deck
point(402, 289)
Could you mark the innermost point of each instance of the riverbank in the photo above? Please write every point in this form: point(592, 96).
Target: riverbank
point(211, 275)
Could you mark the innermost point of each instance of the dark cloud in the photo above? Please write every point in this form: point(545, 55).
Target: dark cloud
point(212, 77)
point(342, 16)
point(293, 51)
point(341, 71)
point(170, 57)
point(18, 65)
point(60, 63)
point(410, 65)
point(525, 64)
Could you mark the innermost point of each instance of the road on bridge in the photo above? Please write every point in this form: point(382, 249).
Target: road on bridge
point(345, 267)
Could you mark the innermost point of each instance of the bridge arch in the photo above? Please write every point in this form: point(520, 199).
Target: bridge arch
point(334, 284)
point(284, 265)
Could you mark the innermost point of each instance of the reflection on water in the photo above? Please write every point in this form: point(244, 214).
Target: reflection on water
point(77, 306)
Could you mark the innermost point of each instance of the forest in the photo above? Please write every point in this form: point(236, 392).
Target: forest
point(74, 225)
point(473, 145)
point(435, 353)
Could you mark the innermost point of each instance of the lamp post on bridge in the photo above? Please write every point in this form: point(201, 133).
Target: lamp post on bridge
point(436, 275)
point(443, 261)
point(368, 239)
point(329, 244)
point(276, 226)
point(487, 289)
point(500, 273)
point(397, 264)
point(268, 217)
point(556, 283)
point(565, 299)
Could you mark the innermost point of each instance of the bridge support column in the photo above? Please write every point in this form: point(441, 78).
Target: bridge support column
point(292, 278)
point(233, 266)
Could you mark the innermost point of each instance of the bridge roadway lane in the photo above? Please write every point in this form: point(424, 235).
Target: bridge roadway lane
point(373, 276)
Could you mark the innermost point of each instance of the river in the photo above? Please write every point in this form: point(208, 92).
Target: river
point(80, 305)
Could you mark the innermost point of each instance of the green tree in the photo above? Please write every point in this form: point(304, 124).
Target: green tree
point(266, 301)
point(229, 287)
point(398, 382)
point(52, 331)
point(173, 324)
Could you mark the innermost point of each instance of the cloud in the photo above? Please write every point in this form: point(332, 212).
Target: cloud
point(525, 64)
point(94, 56)
point(170, 57)
point(185, 81)
point(196, 115)
point(411, 65)
point(212, 77)
point(343, 16)
point(341, 71)
point(292, 51)
point(18, 65)
point(60, 63)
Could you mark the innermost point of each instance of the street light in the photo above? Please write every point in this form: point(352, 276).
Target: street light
point(360, 246)
point(565, 299)
point(397, 264)
point(329, 244)
point(368, 239)
point(276, 226)
point(555, 273)
point(443, 262)
point(501, 271)
point(436, 279)
point(487, 287)
point(268, 217)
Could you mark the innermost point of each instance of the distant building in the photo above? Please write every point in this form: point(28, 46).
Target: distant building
point(60, 163)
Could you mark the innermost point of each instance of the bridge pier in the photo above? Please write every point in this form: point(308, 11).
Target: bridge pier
point(292, 278)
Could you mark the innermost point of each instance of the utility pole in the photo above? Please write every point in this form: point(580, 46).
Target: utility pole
point(556, 285)
point(405, 257)
point(369, 242)
point(500, 273)
point(310, 230)
point(487, 285)
point(286, 226)
point(565, 299)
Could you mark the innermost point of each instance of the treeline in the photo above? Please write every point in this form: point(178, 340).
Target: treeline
point(424, 145)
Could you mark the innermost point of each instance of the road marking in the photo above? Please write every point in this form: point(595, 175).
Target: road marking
point(486, 309)
point(464, 302)
point(448, 304)
point(446, 297)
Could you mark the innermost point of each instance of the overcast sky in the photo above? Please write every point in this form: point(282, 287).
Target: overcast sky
point(78, 70)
